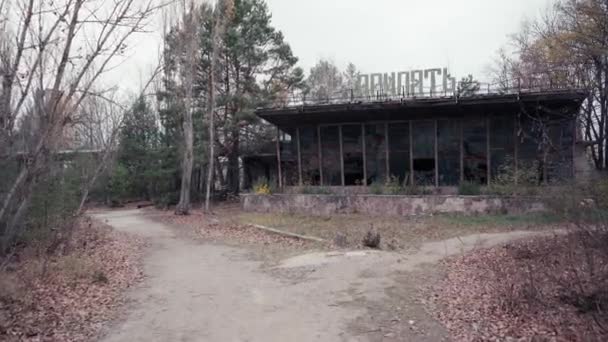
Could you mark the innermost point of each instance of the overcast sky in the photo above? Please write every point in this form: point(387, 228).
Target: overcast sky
point(386, 35)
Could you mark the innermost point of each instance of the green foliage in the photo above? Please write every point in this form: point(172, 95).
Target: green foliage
point(55, 199)
point(469, 189)
point(119, 185)
point(147, 164)
point(376, 188)
point(512, 182)
point(256, 67)
point(314, 190)
point(394, 187)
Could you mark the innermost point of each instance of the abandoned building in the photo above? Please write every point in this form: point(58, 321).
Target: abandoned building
point(438, 141)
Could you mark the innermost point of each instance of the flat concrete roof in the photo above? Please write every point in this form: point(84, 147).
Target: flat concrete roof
point(423, 107)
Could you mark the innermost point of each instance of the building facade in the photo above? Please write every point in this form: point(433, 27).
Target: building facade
point(424, 141)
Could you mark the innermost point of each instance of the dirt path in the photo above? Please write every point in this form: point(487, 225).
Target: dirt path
point(203, 292)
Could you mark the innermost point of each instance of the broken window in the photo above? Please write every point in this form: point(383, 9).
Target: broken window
point(399, 150)
point(559, 159)
point(289, 157)
point(309, 155)
point(448, 150)
point(352, 147)
point(529, 156)
point(375, 153)
point(502, 146)
point(423, 134)
point(330, 152)
point(475, 163)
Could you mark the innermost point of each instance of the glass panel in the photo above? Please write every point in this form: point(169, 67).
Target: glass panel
point(502, 147)
point(330, 147)
point(289, 157)
point(399, 150)
point(475, 151)
point(559, 166)
point(375, 153)
point(352, 146)
point(423, 133)
point(309, 147)
point(448, 145)
point(528, 153)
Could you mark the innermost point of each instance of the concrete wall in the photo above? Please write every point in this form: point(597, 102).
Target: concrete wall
point(381, 205)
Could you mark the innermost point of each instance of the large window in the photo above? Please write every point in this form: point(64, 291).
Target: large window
point(423, 134)
point(309, 150)
point(352, 146)
point(331, 161)
point(289, 156)
point(560, 154)
point(399, 150)
point(375, 153)
point(502, 146)
point(475, 163)
point(448, 146)
point(529, 156)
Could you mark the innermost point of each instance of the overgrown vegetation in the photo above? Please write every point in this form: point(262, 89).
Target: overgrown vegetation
point(393, 186)
point(563, 275)
point(398, 233)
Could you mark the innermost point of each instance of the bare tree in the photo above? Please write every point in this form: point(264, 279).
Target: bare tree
point(52, 54)
point(190, 41)
point(222, 17)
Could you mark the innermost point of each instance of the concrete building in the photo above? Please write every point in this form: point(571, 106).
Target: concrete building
point(434, 140)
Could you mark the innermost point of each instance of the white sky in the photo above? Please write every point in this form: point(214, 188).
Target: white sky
point(382, 35)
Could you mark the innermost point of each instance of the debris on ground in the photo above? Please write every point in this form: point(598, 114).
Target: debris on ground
point(68, 296)
point(211, 229)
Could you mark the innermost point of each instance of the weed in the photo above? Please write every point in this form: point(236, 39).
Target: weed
point(261, 187)
point(372, 238)
point(469, 189)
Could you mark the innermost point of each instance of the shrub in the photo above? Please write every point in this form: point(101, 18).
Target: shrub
point(376, 188)
point(372, 238)
point(469, 189)
point(315, 190)
point(521, 182)
point(261, 187)
point(393, 186)
point(340, 240)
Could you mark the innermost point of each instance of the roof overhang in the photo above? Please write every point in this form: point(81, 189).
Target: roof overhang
point(420, 108)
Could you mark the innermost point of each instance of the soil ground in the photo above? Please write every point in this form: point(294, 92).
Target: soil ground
point(209, 290)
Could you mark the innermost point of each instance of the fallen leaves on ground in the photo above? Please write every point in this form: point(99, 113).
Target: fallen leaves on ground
point(532, 290)
point(69, 297)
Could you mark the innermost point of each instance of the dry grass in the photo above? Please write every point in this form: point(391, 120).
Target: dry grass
point(398, 233)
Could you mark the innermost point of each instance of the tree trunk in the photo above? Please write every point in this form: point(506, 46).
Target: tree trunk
point(183, 207)
point(233, 165)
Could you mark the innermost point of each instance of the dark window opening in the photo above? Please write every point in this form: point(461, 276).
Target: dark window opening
point(423, 134)
point(474, 148)
point(330, 150)
point(375, 153)
point(502, 148)
point(448, 150)
point(399, 151)
point(352, 146)
point(309, 155)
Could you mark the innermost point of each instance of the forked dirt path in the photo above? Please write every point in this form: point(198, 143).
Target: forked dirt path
point(203, 292)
